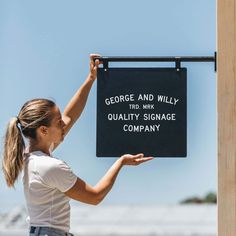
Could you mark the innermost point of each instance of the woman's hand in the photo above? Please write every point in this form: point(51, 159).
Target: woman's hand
point(134, 160)
point(94, 66)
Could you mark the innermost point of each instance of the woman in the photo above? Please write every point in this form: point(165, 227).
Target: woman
point(49, 183)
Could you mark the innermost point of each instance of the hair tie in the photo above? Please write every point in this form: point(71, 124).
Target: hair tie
point(18, 124)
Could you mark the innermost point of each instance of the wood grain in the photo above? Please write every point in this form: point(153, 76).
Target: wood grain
point(226, 102)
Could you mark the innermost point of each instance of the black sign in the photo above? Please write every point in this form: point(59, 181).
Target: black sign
point(142, 110)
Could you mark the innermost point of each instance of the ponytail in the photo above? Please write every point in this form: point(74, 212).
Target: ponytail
point(14, 146)
point(33, 114)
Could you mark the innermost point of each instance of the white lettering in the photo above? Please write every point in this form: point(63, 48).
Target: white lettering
point(121, 116)
point(167, 99)
point(146, 97)
point(163, 116)
point(120, 98)
point(141, 128)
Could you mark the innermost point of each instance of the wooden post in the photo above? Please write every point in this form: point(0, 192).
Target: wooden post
point(226, 73)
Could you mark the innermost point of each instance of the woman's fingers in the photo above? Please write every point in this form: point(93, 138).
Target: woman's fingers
point(92, 56)
point(143, 159)
point(97, 62)
point(135, 159)
point(94, 66)
point(140, 155)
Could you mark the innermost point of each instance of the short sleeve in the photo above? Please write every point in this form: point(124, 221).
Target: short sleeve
point(60, 176)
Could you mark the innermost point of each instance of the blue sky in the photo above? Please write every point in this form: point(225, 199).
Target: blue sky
point(45, 47)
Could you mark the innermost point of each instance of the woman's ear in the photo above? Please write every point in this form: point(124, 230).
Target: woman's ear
point(43, 130)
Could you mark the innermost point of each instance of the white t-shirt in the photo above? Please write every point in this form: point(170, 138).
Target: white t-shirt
point(45, 180)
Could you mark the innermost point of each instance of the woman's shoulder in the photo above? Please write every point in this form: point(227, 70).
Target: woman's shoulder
point(43, 159)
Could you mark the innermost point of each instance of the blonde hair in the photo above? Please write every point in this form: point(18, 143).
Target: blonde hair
point(32, 115)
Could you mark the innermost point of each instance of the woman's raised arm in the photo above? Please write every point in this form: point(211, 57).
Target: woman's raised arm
point(77, 103)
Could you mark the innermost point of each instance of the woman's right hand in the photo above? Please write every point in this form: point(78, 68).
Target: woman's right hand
point(134, 160)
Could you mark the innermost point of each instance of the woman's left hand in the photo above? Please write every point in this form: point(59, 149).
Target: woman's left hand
point(94, 66)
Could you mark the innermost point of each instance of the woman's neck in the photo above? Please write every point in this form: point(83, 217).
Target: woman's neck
point(40, 147)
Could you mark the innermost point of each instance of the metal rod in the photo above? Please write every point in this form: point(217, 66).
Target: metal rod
point(150, 59)
point(177, 59)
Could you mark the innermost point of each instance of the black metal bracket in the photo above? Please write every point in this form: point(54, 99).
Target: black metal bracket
point(177, 60)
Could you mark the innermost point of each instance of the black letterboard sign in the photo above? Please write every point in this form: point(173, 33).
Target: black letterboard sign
point(141, 110)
